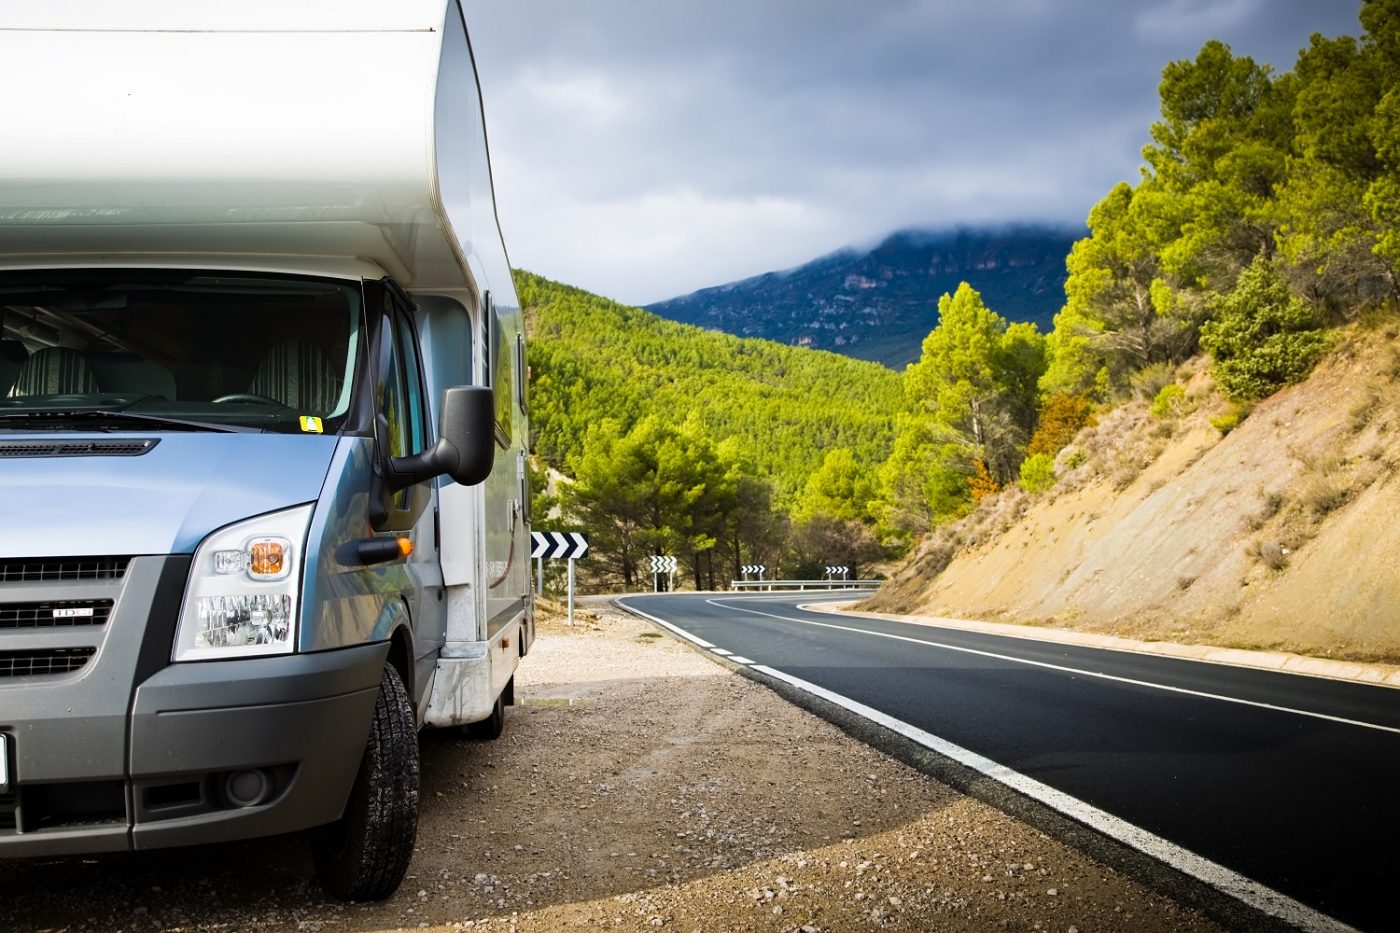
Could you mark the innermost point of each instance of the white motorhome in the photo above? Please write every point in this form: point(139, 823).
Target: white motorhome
point(262, 425)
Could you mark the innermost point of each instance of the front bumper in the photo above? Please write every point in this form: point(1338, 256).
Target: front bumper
point(195, 753)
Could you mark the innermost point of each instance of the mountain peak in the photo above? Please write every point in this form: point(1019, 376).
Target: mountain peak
point(878, 303)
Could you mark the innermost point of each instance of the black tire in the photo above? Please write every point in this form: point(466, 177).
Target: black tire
point(492, 726)
point(363, 856)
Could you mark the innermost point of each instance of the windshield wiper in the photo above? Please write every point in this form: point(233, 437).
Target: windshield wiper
point(106, 416)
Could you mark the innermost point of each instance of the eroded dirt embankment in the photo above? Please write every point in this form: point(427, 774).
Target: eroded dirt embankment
point(639, 786)
point(1281, 534)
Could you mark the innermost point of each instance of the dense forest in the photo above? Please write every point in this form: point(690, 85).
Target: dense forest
point(676, 440)
point(1266, 215)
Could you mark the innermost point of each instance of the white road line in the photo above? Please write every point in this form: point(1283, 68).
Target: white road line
point(1070, 670)
point(662, 622)
point(721, 651)
point(1256, 895)
point(740, 659)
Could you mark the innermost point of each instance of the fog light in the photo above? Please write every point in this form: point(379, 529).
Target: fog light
point(248, 788)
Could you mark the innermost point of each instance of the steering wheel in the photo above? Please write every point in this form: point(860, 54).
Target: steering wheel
point(249, 397)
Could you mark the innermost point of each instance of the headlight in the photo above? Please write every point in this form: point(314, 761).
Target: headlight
point(242, 596)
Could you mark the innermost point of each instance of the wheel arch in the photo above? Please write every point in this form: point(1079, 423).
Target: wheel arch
point(395, 626)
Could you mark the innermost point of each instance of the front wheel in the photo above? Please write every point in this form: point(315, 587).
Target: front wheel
point(363, 856)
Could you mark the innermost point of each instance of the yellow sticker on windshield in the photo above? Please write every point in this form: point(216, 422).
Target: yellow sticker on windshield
point(310, 425)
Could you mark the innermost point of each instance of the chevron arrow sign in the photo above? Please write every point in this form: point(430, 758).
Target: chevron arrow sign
point(752, 568)
point(558, 544)
point(840, 570)
point(660, 564)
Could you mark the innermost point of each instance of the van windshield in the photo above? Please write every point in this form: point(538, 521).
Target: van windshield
point(212, 350)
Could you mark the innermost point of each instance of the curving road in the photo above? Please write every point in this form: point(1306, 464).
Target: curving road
point(1277, 789)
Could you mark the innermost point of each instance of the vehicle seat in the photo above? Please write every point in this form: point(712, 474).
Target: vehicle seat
point(55, 371)
point(297, 374)
point(12, 357)
point(128, 374)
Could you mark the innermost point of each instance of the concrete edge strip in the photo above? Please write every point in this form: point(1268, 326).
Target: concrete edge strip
point(1074, 670)
point(1256, 895)
point(1302, 665)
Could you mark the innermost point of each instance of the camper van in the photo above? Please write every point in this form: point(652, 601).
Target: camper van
point(262, 425)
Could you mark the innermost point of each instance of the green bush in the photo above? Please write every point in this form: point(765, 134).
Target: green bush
point(1230, 419)
point(1037, 473)
point(1262, 338)
point(1170, 401)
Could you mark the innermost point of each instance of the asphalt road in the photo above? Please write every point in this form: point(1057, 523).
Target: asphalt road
point(1261, 778)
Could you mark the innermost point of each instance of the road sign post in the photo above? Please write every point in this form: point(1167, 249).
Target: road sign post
point(571, 591)
point(569, 545)
point(662, 563)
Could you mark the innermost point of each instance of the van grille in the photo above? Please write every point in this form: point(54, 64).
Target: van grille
point(38, 570)
point(75, 448)
point(55, 614)
point(43, 661)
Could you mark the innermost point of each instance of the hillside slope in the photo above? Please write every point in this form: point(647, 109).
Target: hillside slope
point(591, 359)
point(1280, 535)
point(878, 304)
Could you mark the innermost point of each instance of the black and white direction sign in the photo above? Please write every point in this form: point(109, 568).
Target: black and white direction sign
point(570, 545)
point(753, 568)
point(660, 564)
point(832, 571)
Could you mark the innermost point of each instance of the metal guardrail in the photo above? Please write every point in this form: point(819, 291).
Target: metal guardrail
point(765, 585)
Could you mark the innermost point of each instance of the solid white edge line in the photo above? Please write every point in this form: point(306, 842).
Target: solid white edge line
point(1256, 895)
point(662, 622)
point(1069, 670)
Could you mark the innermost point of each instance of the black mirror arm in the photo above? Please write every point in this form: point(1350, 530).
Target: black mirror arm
point(440, 459)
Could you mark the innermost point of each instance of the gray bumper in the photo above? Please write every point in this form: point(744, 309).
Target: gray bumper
point(99, 766)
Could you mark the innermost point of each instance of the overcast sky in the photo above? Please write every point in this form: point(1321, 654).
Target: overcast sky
point(646, 148)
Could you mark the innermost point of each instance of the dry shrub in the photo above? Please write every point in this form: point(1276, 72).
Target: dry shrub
point(1270, 505)
point(1272, 554)
point(1322, 495)
point(1362, 413)
point(1150, 380)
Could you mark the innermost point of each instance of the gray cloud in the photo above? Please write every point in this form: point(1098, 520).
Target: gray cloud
point(643, 149)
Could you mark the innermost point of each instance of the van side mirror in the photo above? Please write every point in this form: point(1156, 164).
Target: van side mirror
point(466, 446)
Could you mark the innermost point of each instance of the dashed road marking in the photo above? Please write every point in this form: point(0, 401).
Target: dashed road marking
point(1251, 892)
point(1246, 890)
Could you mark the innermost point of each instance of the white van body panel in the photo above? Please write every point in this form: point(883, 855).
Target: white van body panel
point(343, 139)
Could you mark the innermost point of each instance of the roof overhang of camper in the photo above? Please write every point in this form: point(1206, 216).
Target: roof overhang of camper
point(275, 129)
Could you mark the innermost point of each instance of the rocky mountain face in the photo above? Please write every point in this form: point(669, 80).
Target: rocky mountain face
point(879, 304)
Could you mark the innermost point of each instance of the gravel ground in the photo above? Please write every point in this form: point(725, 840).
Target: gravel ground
point(638, 785)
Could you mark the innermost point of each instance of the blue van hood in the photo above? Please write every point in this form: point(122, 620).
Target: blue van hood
point(162, 502)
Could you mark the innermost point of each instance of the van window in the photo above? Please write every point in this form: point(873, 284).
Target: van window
point(276, 353)
point(498, 368)
point(402, 402)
